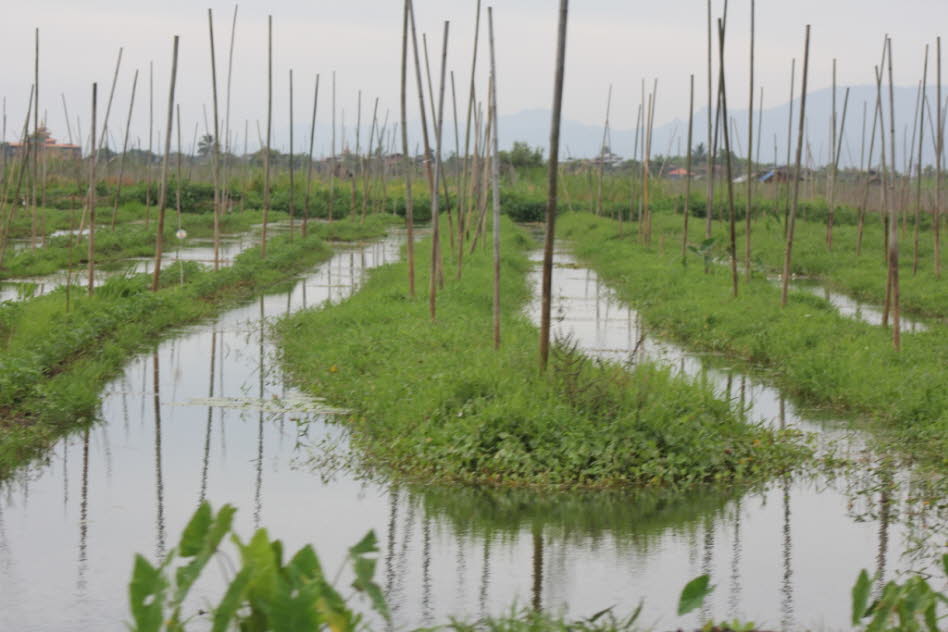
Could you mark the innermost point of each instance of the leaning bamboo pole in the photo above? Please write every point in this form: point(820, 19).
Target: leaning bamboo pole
point(791, 220)
point(151, 134)
point(918, 169)
point(228, 152)
point(309, 164)
point(163, 190)
point(19, 184)
point(786, 210)
point(332, 153)
point(407, 162)
point(834, 172)
point(495, 178)
point(438, 114)
point(602, 151)
point(709, 209)
point(290, 207)
point(722, 95)
point(861, 221)
point(35, 142)
point(421, 99)
point(121, 172)
point(553, 172)
point(687, 204)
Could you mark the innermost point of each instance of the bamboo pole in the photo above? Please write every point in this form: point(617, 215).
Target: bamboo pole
point(791, 220)
point(225, 192)
point(860, 226)
point(90, 198)
point(361, 160)
point(151, 133)
point(463, 202)
point(709, 211)
point(177, 176)
point(786, 210)
point(36, 143)
point(121, 173)
point(459, 168)
point(722, 87)
point(421, 99)
point(553, 171)
point(687, 205)
point(266, 156)
point(495, 178)
point(443, 181)
point(309, 165)
point(292, 169)
point(918, 168)
point(602, 151)
point(332, 157)
point(163, 190)
point(893, 249)
point(108, 106)
point(368, 153)
point(836, 151)
point(939, 149)
point(750, 153)
point(435, 210)
point(407, 161)
point(20, 176)
point(216, 153)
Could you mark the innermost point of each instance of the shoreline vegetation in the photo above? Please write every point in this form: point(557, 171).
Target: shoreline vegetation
point(435, 401)
point(818, 354)
point(55, 361)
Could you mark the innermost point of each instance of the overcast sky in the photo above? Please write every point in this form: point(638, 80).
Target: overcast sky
point(610, 41)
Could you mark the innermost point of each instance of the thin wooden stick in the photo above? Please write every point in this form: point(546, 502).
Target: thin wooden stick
point(893, 250)
point(748, 214)
point(786, 210)
point(709, 210)
point(791, 220)
point(121, 173)
point(407, 162)
point(495, 177)
point(553, 171)
point(602, 150)
point(435, 210)
point(836, 151)
point(332, 157)
point(292, 168)
point(163, 190)
point(722, 87)
point(463, 203)
point(216, 152)
point(266, 156)
point(687, 205)
point(36, 143)
point(225, 193)
point(939, 149)
point(918, 168)
point(151, 133)
point(309, 166)
point(90, 197)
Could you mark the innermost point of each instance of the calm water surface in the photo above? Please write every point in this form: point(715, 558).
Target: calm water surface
point(208, 415)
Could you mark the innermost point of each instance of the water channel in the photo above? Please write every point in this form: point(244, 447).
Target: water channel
point(208, 415)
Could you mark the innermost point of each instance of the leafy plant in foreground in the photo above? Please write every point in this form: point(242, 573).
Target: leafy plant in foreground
point(908, 607)
point(264, 594)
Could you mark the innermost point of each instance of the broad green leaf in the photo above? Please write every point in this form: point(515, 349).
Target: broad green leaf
point(365, 571)
point(860, 594)
point(694, 594)
point(192, 540)
point(219, 526)
point(944, 563)
point(226, 611)
point(368, 544)
point(147, 596)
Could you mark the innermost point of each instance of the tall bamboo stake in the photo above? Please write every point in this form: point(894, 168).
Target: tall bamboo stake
point(163, 190)
point(19, 185)
point(292, 168)
point(421, 99)
point(939, 149)
point(602, 151)
point(361, 160)
point(151, 133)
point(463, 217)
point(893, 255)
point(750, 153)
point(918, 167)
point(687, 205)
point(225, 193)
point(266, 156)
point(834, 172)
point(709, 211)
point(216, 154)
point(121, 173)
point(332, 156)
point(722, 87)
point(90, 198)
point(407, 161)
point(495, 177)
point(177, 175)
point(368, 154)
point(861, 221)
point(553, 170)
point(36, 143)
point(791, 220)
point(309, 164)
point(435, 210)
point(108, 105)
point(786, 210)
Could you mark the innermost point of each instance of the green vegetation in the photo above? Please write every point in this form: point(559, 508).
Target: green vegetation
point(433, 400)
point(54, 361)
point(818, 354)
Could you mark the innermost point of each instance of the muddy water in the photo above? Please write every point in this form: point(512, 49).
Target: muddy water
point(855, 309)
point(208, 414)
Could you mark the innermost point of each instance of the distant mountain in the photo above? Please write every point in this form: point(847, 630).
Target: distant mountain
point(583, 141)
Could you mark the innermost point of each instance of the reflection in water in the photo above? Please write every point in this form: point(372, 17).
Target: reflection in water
point(463, 552)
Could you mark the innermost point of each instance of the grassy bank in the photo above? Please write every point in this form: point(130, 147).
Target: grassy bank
point(54, 363)
point(433, 400)
point(819, 355)
point(131, 239)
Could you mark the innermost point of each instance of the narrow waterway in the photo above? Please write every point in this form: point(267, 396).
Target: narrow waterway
point(208, 415)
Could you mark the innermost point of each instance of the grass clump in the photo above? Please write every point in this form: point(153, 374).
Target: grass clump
point(434, 400)
point(820, 355)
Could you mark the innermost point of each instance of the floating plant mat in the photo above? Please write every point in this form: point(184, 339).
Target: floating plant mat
point(289, 404)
